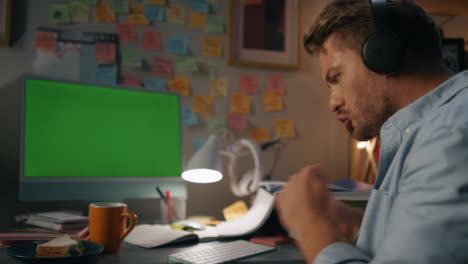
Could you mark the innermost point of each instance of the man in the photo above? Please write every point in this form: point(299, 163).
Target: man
point(418, 209)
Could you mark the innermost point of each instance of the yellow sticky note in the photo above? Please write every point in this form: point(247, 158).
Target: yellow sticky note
point(272, 102)
point(180, 84)
point(219, 87)
point(137, 15)
point(240, 103)
point(212, 47)
point(285, 128)
point(155, 2)
point(175, 14)
point(197, 20)
point(235, 211)
point(260, 134)
point(202, 105)
point(104, 13)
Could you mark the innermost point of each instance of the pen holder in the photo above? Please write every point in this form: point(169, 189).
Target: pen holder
point(175, 209)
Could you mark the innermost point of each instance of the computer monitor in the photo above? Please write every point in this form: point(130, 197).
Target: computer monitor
point(83, 141)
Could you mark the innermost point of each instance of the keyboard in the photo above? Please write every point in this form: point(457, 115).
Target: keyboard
point(220, 253)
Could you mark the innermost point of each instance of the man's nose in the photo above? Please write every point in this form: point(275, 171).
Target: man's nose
point(335, 101)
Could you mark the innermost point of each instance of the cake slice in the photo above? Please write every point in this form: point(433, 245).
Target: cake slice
point(61, 246)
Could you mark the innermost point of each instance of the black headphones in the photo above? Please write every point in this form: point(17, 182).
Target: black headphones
point(382, 52)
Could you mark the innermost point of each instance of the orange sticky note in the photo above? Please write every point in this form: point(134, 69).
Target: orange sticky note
point(180, 84)
point(131, 80)
point(127, 32)
point(260, 134)
point(240, 103)
point(105, 52)
point(219, 87)
point(156, 2)
point(46, 40)
point(285, 128)
point(275, 84)
point(175, 14)
point(237, 121)
point(212, 47)
point(248, 83)
point(163, 67)
point(104, 13)
point(151, 40)
point(202, 105)
point(272, 102)
point(197, 20)
point(136, 15)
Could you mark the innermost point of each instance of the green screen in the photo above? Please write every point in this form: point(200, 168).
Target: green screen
point(77, 130)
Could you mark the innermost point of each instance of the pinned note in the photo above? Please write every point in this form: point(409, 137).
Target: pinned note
point(237, 121)
point(275, 84)
point(104, 14)
point(185, 65)
point(131, 80)
point(137, 15)
point(285, 128)
point(131, 59)
point(248, 83)
point(235, 211)
point(120, 6)
point(127, 32)
point(178, 44)
point(212, 47)
point(200, 5)
point(272, 102)
point(206, 69)
point(188, 116)
point(217, 124)
point(89, 2)
point(202, 104)
point(155, 83)
point(240, 103)
point(59, 14)
point(151, 40)
point(106, 74)
point(46, 40)
point(198, 143)
point(219, 87)
point(197, 20)
point(180, 84)
point(156, 2)
point(260, 134)
point(214, 24)
point(175, 14)
point(154, 13)
point(162, 67)
point(105, 52)
point(79, 12)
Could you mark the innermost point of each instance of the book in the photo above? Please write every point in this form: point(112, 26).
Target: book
point(55, 226)
point(60, 217)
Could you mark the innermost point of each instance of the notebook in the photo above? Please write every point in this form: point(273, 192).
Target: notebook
point(149, 236)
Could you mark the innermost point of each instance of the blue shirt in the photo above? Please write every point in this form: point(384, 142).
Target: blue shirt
point(418, 209)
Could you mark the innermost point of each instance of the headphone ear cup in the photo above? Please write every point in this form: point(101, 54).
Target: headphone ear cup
point(382, 52)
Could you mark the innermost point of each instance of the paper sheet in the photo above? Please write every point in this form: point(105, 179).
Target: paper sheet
point(120, 6)
point(175, 14)
point(162, 67)
point(217, 124)
point(275, 84)
point(79, 12)
point(180, 84)
point(59, 14)
point(240, 103)
point(248, 83)
point(202, 105)
point(285, 128)
point(63, 63)
point(188, 117)
point(106, 74)
point(131, 80)
point(151, 40)
point(219, 87)
point(127, 32)
point(88, 65)
point(260, 134)
point(156, 83)
point(154, 13)
point(272, 102)
point(198, 143)
point(185, 65)
point(136, 15)
point(237, 121)
point(212, 47)
point(131, 59)
point(200, 5)
point(46, 41)
point(197, 20)
point(104, 14)
point(214, 24)
point(178, 44)
point(105, 52)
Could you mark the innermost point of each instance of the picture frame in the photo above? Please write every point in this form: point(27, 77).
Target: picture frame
point(453, 53)
point(264, 34)
point(5, 22)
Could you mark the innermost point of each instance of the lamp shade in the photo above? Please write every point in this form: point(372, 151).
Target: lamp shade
point(203, 165)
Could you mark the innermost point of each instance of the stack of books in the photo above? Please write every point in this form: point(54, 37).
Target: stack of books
point(58, 221)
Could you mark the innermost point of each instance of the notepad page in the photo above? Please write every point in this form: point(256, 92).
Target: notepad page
point(149, 236)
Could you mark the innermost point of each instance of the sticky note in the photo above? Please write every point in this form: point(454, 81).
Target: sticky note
point(106, 74)
point(162, 67)
point(156, 2)
point(214, 24)
point(105, 52)
point(202, 104)
point(137, 15)
point(184, 65)
point(237, 121)
point(155, 83)
point(189, 118)
point(198, 143)
point(206, 69)
point(120, 6)
point(131, 80)
point(248, 83)
point(212, 47)
point(216, 124)
point(151, 40)
point(175, 14)
point(178, 44)
point(45, 40)
point(235, 211)
point(131, 58)
point(58, 14)
point(79, 12)
point(260, 134)
point(272, 102)
point(219, 87)
point(200, 5)
point(275, 84)
point(127, 32)
point(104, 14)
point(90, 2)
point(240, 103)
point(88, 63)
point(180, 84)
point(197, 20)
point(285, 128)
point(154, 13)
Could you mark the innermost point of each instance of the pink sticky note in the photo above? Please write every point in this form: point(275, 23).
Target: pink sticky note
point(105, 52)
point(275, 84)
point(131, 80)
point(127, 32)
point(151, 40)
point(163, 67)
point(248, 83)
point(237, 121)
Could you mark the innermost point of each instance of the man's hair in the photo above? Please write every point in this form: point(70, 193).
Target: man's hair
point(353, 22)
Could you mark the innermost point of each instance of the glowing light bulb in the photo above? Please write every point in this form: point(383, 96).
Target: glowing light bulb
point(361, 144)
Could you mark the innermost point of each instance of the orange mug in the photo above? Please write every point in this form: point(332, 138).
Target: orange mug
point(107, 223)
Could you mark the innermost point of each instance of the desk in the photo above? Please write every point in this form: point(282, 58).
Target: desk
point(285, 253)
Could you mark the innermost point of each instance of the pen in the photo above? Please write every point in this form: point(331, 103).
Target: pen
point(169, 206)
point(161, 194)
